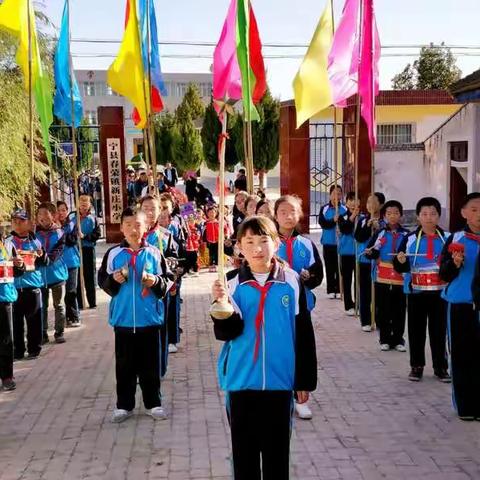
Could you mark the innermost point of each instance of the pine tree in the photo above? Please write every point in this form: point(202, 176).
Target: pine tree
point(211, 130)
point(167, 139)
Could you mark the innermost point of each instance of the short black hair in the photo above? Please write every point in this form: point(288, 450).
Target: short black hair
point(381, 197)
point(51, 207)
point(350, 196)
point(242, 170)
point(60, 203)
point(470, 197)
point(428, 202)
point(334, 187)
point(257, 225)
point(392, 204)
point(130, 212)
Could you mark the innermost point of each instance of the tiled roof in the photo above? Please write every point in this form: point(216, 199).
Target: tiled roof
point(404, 97)
point(469, 83)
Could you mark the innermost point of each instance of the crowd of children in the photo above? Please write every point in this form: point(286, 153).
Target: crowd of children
point(38, 257)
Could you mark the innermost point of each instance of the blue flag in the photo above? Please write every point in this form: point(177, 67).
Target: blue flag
point(155, 69)
point(62, 105)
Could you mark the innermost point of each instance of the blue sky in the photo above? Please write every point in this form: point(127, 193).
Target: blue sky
point(399, 22)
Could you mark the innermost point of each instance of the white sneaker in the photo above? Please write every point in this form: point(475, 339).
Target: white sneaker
point(366, 328)
point(384, 347)
point(303, 411)
point(401, 348)
point(351, 312)
point(195, 274)
point(119, 415)
point(332, 296)
point(172, 348)
point(158, 413)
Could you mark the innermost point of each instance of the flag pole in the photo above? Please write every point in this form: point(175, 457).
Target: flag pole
point(74, 165)
point(150, 129)
point(30, 112)
point(221, 310)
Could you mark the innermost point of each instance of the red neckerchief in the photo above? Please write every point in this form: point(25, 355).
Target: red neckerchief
point(473, 236)
point(431, 246)
point(21, 242)
point(133, 262)
point(46, 238)
point(259, 319)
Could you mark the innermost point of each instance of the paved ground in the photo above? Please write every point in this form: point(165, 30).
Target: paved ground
point(369, 421)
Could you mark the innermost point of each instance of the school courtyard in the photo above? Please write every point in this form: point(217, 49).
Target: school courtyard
point(369, 421)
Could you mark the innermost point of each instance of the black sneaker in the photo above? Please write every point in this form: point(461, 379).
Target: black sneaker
point(59, 338)
point(75, 323)
point(443, 376)
point(68, 324)
point(9, 384)
point(416, 374)
point(33, 356)
point(45, 339)
point(466, 418)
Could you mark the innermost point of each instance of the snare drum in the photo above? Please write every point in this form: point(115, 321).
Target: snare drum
point(427, 279)
point(28, 257)
point(6, 272)
point(387, 274)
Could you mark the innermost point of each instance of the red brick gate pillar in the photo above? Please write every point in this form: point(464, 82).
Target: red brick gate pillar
point(112, 163)
point(295, 159)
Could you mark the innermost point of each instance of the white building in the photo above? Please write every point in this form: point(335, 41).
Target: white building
point(97, 93)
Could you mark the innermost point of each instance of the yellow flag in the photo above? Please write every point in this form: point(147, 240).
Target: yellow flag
point(311, 85)
point(14, 18)
point(126, 74)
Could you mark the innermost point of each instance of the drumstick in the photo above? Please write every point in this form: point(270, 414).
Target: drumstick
point(409, 254)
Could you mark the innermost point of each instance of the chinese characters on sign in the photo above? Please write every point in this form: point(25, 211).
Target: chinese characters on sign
point(115, 179)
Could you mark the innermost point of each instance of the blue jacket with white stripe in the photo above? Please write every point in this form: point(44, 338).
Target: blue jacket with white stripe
point(8, 292)
point(133, 305)
point(286, 356)
point(53, 242)
point(326, 219)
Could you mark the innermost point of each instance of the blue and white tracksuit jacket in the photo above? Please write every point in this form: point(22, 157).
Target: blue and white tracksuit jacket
point(132, 305)
point(286, 357)
point(8, 292)
point(71, 255)
point(53, 242)
point(328, 224)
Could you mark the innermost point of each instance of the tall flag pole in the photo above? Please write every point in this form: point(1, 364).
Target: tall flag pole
point(17, 18)
point(69, 108)
point(126, 75)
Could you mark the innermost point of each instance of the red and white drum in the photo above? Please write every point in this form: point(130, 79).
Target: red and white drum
point(6, 272)
point(28, 257)
point(427, 279)
point(387, 274)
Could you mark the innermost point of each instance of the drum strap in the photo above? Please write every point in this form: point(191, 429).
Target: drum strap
point(430, 244)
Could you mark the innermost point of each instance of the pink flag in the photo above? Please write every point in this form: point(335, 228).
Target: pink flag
point(349, 74)
point(343, 56)
point(368, 69)
point(227, 81)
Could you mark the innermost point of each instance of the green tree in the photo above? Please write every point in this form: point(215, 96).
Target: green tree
point(434, 69)
point(265, 134)
point(188, 116)
point(211, 130)
point(167, 139)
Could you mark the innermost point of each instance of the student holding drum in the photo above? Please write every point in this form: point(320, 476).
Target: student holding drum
point(419, 258)
point(390, 299)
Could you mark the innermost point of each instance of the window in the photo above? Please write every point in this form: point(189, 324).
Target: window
point(395, 134)
point(181, 89)
point(205, 89)
point(91, 117)
point(458, 151)
point(89, 89)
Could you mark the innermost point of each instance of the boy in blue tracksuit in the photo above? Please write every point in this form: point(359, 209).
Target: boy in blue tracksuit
point(367, 225)
point(389, 296)
point(419, 259)
point(90, 233)
point(346, 225)
point(71, 257)
point(328, 220)
point(269, 353)
point(11, 266)
point(55, 274)
point(459, 259)
point(28, 306)
point(136, 276)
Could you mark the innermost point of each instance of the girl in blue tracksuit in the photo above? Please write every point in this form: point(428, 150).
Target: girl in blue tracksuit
point(269, 353)
point(389, 296)
point(459, 267)
point(8, 295)
point(55, 274)
point(367, 225)
point(71, 257)
point(136, 276)
point(346, 225)
point(88, 238)
point(328, 220)
point(419, 259)
point(302, 256)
